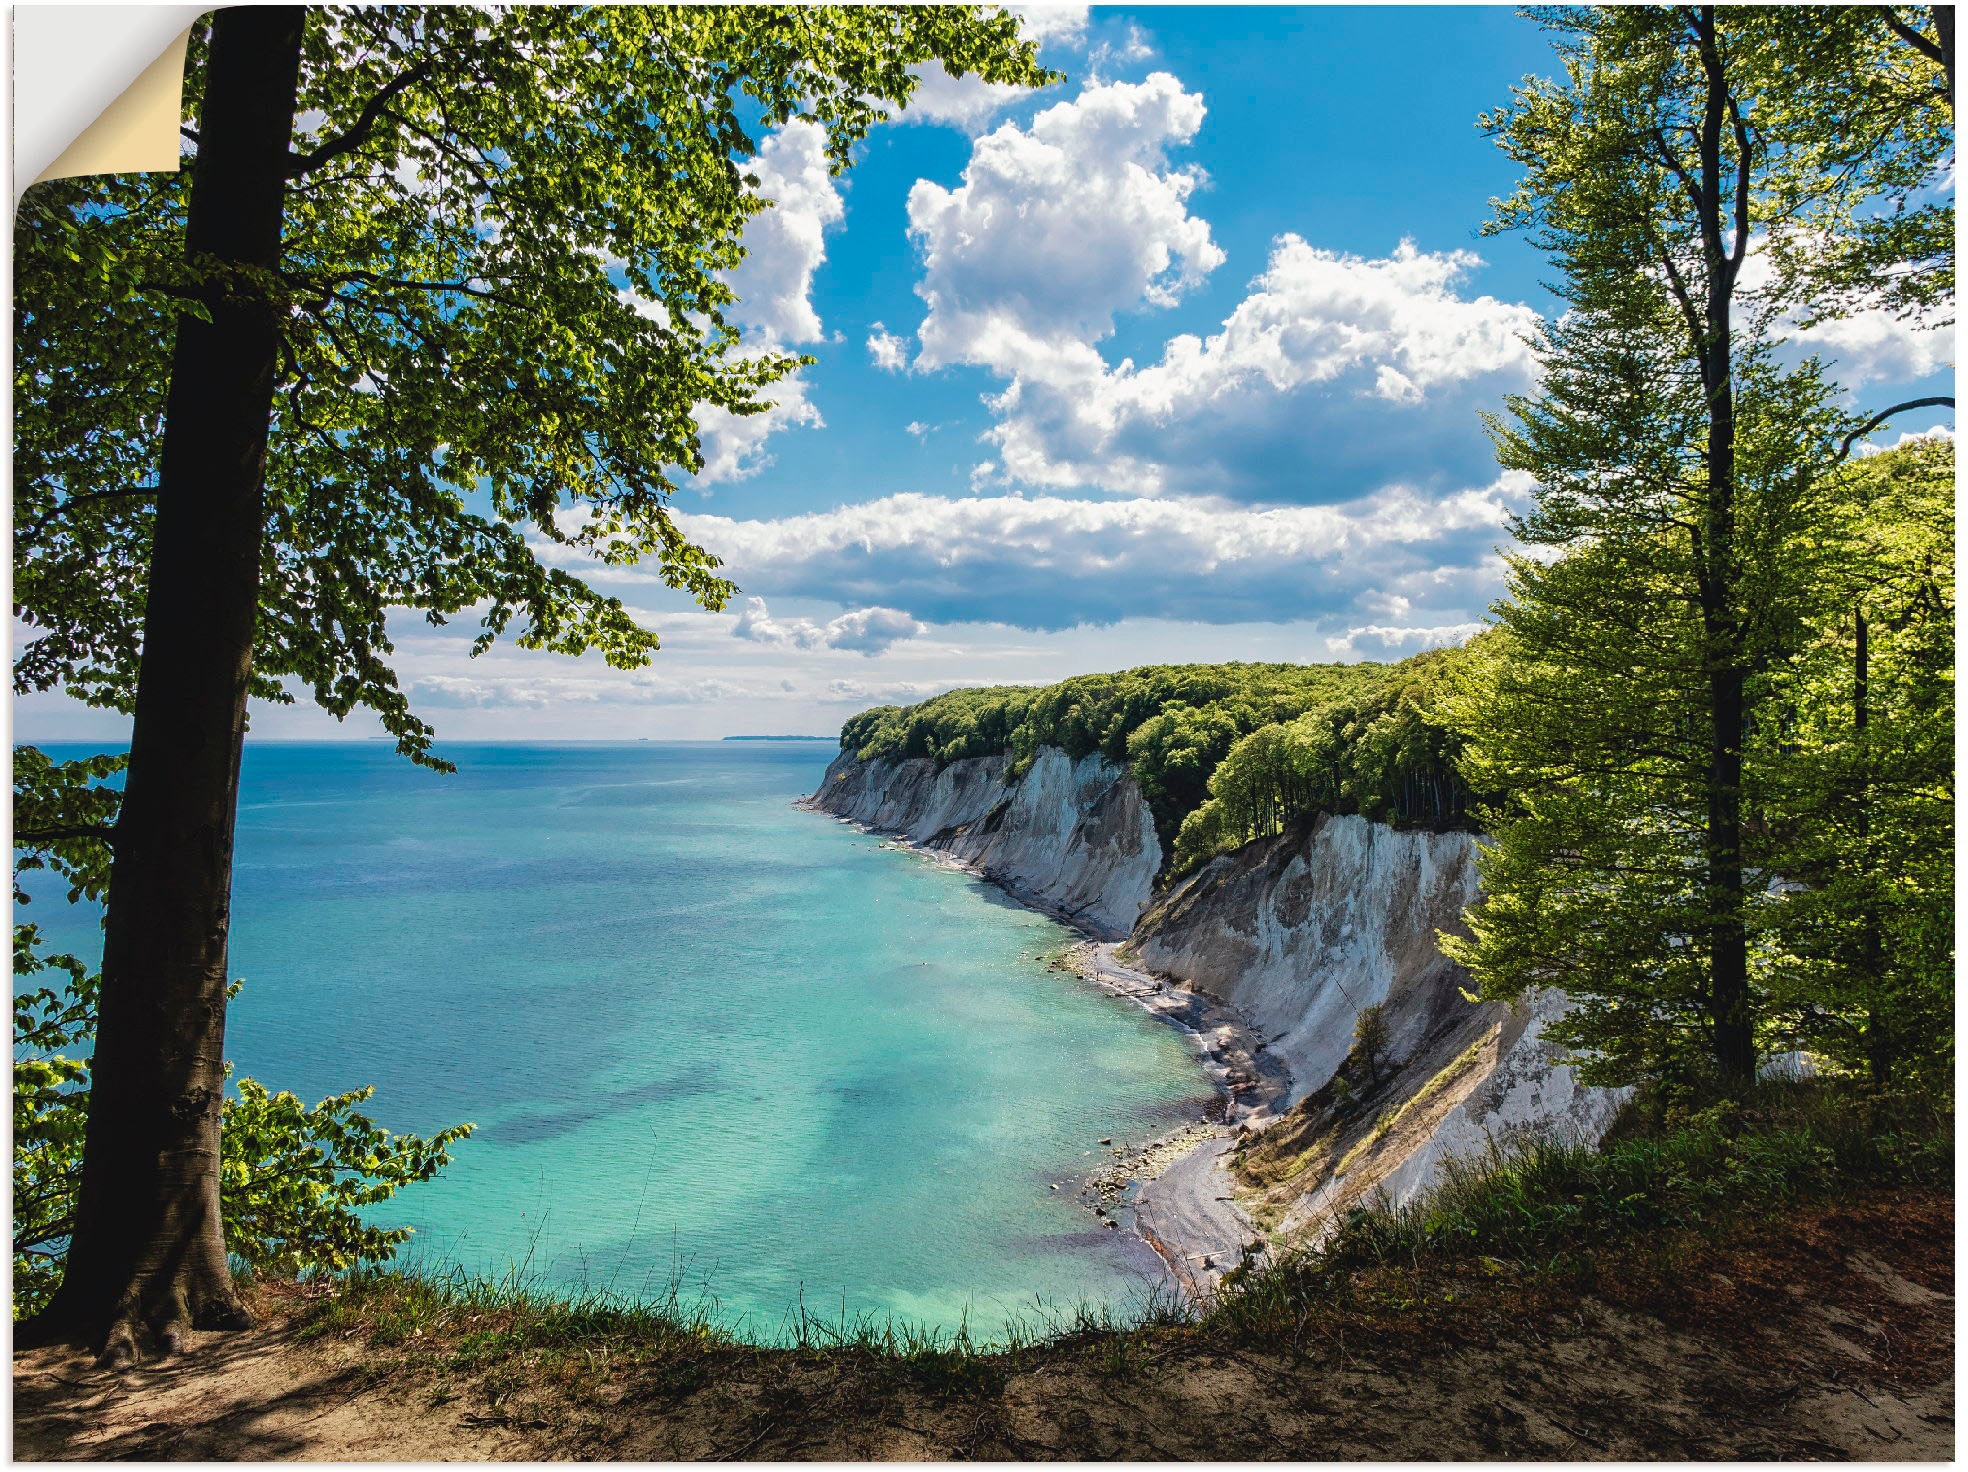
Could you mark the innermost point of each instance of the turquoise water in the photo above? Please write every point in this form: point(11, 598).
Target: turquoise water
point(706, 1036)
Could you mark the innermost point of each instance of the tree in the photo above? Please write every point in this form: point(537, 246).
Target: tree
point(1683, 476)
point(438, 280)
point(1371, 1036)
point(1863, 970)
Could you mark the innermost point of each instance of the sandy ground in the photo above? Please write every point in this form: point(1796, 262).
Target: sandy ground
point(1183, 1204)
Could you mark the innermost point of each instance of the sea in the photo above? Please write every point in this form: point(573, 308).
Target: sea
point(716, 1045)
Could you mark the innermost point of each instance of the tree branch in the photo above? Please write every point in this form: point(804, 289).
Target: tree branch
point(27, 534)
point(1741, 130)
point(1882, 416)
point(1908, 34)
point(358, 132)
point(36, 837)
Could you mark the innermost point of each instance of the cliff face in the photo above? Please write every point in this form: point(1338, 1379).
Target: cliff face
point(1073, 837)
point(1297, 935)
point(1302, 932)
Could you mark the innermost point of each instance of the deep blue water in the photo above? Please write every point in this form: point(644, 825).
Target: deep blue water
point(703, 1033)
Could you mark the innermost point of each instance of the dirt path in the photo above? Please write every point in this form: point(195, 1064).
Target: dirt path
point(257, 1396)
point(1831, 1339)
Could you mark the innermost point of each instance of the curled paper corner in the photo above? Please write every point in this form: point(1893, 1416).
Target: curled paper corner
point(98, 89)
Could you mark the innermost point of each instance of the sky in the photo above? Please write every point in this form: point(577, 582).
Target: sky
point(1181, 358)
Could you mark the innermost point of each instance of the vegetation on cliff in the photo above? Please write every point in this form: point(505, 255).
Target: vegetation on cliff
point(1238, 750)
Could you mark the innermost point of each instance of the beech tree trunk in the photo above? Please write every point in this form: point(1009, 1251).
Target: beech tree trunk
point(1728, 940)
point(148, 1257)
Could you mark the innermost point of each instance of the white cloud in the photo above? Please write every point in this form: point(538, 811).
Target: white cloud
point(869, 631)
point(1867, 347)
point(1383, 641)
point(1063, 25)
point(920, 430)
point(1876, 347)
point(888, 351)
point(967, 102)
point(857, 692)
point(784, 246)
point(1047, 562)
point(734, 444)
point(1334, 376)
point(543, 690)
point(1131, 49)
point(1058, 226)
point(1907, 437)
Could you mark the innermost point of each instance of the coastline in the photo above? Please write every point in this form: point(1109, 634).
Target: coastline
point(1174, 1191)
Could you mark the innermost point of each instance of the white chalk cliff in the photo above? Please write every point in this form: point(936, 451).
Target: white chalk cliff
point(1072, 837)
point(1295, 934)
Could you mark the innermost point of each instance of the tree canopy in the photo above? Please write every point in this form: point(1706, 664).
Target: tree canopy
point(502, 300)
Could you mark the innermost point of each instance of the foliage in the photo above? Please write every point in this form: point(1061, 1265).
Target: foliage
point(1378, 750)
point(292, 1178)
point(504, 303)
point(1685, 1168)
point(1371, 1036)
point(1862, 962)
point(1173, 723)
point(1862, 216)
point(1684, 535)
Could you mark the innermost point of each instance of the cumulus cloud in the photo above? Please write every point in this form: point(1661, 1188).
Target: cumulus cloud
point(1063, 25)
point(856, 692)
point(1398, 557)
point(888, 351)
point(1877, 347)
point(1907, 437)
point(1867, 347)
point(1382, 641)
point(1058, 226)
point(1335, 375)
point(868, 631)
point(784, 246)
point(969, 102)
point(734, 445)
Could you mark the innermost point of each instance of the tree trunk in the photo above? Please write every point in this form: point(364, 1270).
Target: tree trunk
point(1734, 1039)
point(148, 1254)
point(1880, 1047)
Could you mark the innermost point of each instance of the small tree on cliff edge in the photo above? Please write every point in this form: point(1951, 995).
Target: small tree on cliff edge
point(350, 361)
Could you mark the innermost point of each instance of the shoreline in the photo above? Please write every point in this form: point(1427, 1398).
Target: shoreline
point(1184, 1194)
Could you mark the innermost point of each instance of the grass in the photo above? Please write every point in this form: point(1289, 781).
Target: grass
point(1517, 1230)
point(1665, 1179)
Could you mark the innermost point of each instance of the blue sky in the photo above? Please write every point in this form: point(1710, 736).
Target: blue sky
point(1180, 358)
